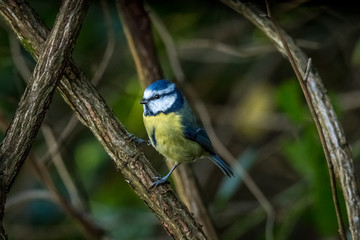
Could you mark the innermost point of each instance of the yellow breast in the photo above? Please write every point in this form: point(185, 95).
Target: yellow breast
point(165, 132)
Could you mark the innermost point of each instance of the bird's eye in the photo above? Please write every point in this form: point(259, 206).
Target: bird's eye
point(157, 96)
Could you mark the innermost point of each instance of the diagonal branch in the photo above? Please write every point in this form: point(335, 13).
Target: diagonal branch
point(99, 73)
point(136, 20)
point(89, 227)
point(302, 81)
point(38, 94)
point(87, 224)
point(139, 35)
point(92, 110)
point(188, 184)
point(334, 141)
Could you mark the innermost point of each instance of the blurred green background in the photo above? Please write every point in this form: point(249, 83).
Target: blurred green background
point(255, 104)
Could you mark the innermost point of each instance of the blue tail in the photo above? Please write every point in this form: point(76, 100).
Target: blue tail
point(225, 168)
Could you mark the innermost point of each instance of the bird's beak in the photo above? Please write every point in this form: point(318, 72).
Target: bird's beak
point(144, 101)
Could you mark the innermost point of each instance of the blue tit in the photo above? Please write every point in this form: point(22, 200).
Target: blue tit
point(174, 130)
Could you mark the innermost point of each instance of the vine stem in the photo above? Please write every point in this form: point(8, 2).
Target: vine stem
point(303, 86)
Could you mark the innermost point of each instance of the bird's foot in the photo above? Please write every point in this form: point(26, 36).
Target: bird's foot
point(138, 141)
point(159, 181)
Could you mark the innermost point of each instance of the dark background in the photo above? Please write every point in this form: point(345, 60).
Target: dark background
point(255, 104)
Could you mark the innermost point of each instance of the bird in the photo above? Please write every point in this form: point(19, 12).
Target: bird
point(174, 130)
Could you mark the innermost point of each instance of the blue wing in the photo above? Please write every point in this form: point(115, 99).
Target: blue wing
point(200, 136)
point(193, 131)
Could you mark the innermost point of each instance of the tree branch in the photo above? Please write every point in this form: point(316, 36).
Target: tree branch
point(334, 143)
point(134, 17)
point(100, 70)
point(89, 227)
point(93, 112)
point(187, 183)
point(84, 220)
point(302, 82)
point(38, 94)
point(139, 35)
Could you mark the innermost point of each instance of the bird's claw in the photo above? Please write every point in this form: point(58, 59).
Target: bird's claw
point(159, 181)
point(136, 140)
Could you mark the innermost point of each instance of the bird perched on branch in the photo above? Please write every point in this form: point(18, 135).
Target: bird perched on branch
point(174, 130)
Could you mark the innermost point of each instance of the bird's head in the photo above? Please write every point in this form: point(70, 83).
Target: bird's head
point(161, 97)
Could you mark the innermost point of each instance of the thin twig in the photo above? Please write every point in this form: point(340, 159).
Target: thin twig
point(38, 95)
point(110, 46)
point(91, 229)
point(302, 82)
point(18, 58)
point(64, 136)
point(204, 116)
point(25, 196)
point(241, 52)
point(169, 45)
point(108, 53)
point(335, 139)
point(61, 168)
point(137, 29)
point(89, 226)
point(185, 182)
point(53, 144)
point(307, 70)
point(94, 113)
point(248, 181)
point(99, 73)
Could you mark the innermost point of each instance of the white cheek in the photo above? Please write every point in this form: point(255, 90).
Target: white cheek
point(169, 100)
point(163, 104)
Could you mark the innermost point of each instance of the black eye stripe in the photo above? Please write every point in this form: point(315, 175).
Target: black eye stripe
point(157, 96)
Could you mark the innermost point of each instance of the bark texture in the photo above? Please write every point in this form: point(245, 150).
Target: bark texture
point(36, 99)
point(138, 32)
point(137, 25)
point(335, 144)
point(93, 112)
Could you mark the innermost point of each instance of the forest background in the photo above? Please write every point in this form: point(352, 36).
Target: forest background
point(252, 98)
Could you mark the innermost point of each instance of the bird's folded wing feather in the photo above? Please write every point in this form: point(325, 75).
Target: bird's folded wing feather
point(193, 129)
point(200, 136)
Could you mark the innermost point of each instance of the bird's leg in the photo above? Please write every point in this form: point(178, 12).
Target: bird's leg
point(162, 180)
point(137, 141)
